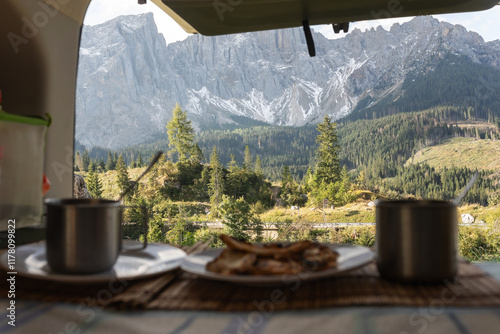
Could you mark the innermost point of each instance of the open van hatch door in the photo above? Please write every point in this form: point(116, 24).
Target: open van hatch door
point(219, 17)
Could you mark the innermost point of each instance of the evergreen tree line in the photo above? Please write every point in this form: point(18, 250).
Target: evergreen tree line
point(84, 163)
point(379, 148)
point(424, 181)
point(275, 147)
point(382, 146)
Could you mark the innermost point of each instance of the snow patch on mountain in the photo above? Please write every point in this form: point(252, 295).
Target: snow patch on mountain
point(129, 80)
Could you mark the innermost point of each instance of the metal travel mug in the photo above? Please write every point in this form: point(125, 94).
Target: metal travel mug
point(416, 241)
point(84, 235)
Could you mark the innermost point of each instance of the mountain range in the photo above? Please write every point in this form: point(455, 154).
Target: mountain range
point(129, 79)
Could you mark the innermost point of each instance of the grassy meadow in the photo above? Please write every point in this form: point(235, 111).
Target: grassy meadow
point(483, 154)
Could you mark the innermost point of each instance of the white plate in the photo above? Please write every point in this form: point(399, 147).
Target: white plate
point(155, 259)
point(350, 257)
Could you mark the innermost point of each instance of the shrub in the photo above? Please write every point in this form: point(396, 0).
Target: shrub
point(166, 209)
point(208, 235)
point(156, 230)
point(318, 235)
point(239, 218)
point(359, 235)
point(476, 244)
point(175, 234)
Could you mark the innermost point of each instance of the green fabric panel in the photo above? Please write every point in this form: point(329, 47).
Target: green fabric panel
point(5, 116)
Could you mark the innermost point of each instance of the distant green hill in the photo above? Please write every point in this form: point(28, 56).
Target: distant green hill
point(384, 145)
point(483, 154)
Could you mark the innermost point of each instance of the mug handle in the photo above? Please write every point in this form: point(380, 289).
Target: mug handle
point(145, 228)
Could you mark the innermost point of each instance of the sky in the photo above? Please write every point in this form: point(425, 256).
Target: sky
point(485, 23)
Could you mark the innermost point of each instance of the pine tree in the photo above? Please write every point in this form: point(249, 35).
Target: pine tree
point(85, 160)
point(92, 166)
point(343, 193)
point(286, 177)
point(110, 162)
point(308, 180)
point(197, 154)
point(180, 133)
point(139, 162)
point(239, 218)
point(248, 160)
point(78, 162)
point(232, 180)
point(122, 179)
point(216, 186)
point(258, 167)
point(361, 180)
point(290, 192)
point(102, 165)
point(328, 168)
point(233, 165)
point(94, 184)
point(201, 185)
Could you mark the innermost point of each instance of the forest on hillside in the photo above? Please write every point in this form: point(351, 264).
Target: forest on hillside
point(376, 149)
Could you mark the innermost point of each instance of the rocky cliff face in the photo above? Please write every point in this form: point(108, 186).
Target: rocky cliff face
point(121, 93)
point(129, 80)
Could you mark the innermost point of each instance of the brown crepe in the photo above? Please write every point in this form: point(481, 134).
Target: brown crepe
point(242, 258)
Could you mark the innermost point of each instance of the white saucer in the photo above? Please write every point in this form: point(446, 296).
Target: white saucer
point(350, 257)
point(30, 261)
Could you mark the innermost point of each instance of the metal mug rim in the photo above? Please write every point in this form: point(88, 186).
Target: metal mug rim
point(81, 202)
point(402, 203)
